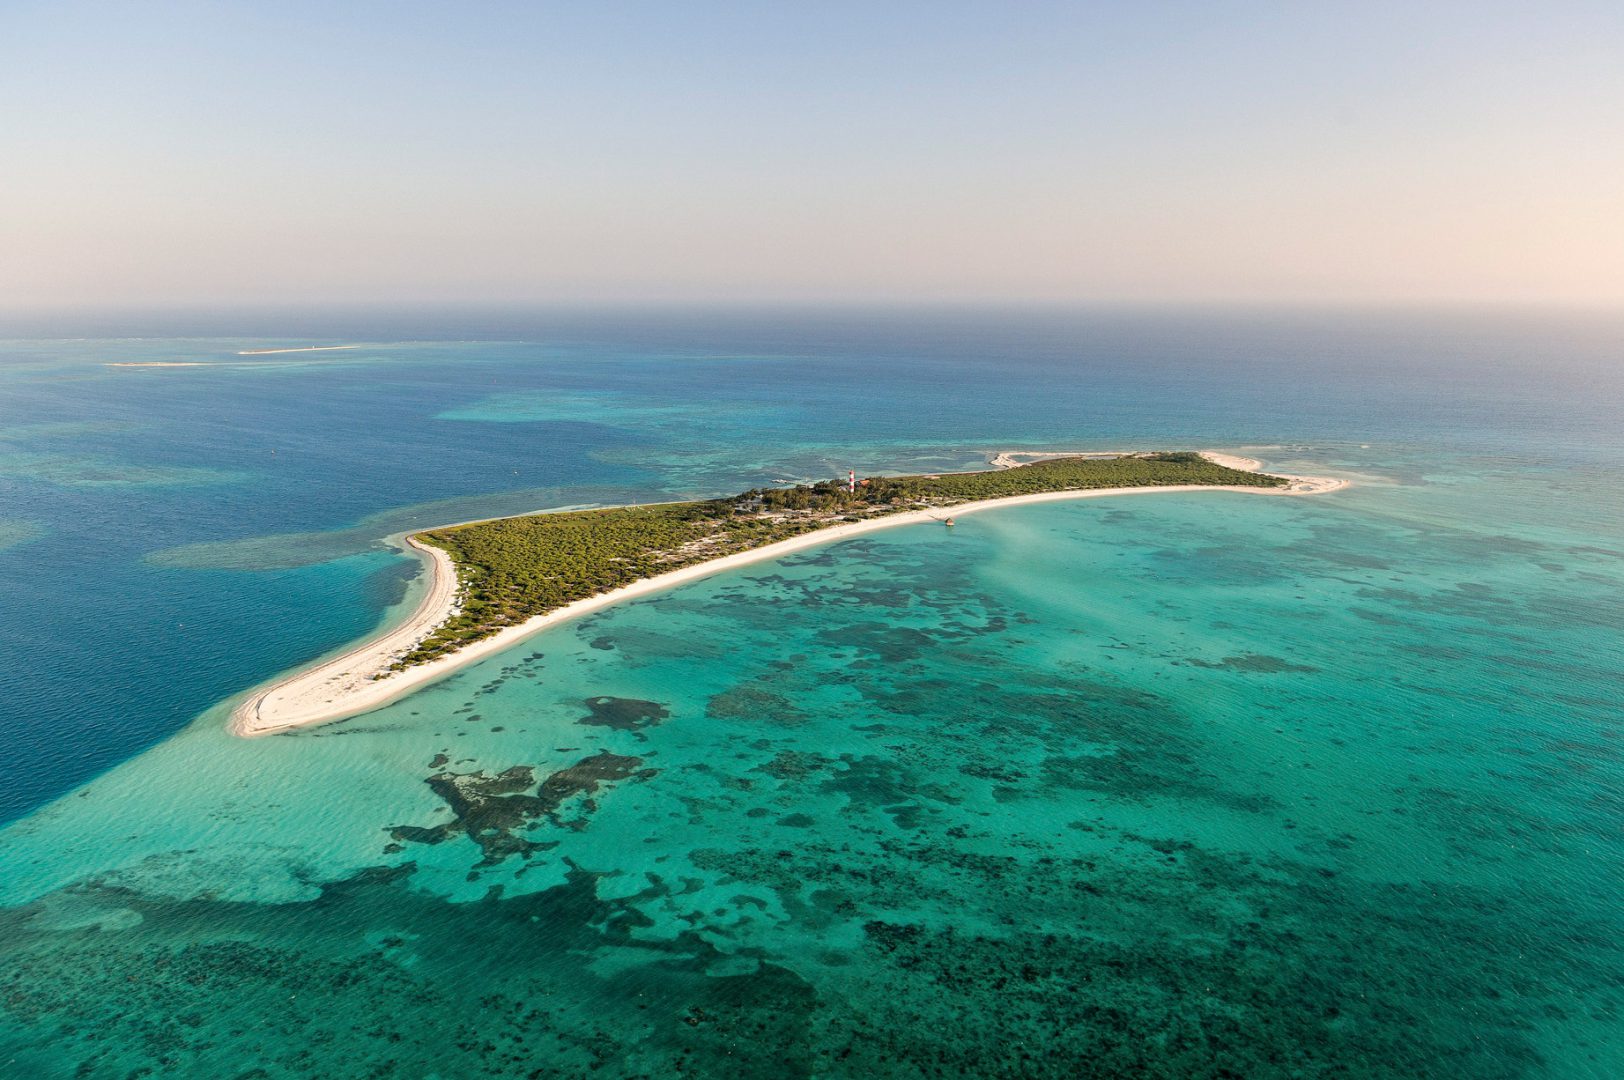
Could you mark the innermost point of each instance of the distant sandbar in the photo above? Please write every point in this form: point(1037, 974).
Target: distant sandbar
point(301, 348)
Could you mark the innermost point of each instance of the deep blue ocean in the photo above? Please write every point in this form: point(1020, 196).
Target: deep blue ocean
point(1181, 785)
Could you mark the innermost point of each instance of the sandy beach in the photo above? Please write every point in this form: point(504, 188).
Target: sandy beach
point(359, 680)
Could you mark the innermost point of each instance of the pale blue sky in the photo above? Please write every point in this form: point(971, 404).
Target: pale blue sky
point(513, 153)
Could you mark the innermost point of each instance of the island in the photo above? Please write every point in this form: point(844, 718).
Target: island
point(493, 583)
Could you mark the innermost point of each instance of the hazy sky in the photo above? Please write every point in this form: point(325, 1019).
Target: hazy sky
point(599, 151)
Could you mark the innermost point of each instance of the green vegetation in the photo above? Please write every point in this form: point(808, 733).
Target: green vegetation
point(512, 569)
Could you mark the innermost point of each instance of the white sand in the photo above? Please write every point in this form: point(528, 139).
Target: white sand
point(301, 348)
point(359, 680)
point(1010, 459)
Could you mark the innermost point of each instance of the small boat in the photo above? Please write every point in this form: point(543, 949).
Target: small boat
point(948, 523)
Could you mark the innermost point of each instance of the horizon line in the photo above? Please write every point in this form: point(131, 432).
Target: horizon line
point(421, 305)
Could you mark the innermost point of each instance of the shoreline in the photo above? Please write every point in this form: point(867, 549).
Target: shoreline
point(344, 686)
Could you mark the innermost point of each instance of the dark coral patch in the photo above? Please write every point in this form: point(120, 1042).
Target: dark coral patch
point(492, 809)
point(623, 714)
point(754, 703)
point(1254, 662)
point(890, 644)
point(793, 765)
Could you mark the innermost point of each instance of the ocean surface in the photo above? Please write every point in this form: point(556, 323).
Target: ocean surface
point(1178, 785)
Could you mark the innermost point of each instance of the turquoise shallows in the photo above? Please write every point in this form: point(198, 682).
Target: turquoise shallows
point(1168, 785)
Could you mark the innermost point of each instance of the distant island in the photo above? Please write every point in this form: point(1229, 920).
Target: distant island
point(300, 348)
point(494, 582)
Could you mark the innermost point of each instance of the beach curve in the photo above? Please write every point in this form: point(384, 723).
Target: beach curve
point(360, 679)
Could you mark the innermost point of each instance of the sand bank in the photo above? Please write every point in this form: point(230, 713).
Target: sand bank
point(299, 348)
point(1013, 459)
point(359, 680)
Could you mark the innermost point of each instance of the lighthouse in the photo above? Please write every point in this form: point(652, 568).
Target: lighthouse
point(851, 481)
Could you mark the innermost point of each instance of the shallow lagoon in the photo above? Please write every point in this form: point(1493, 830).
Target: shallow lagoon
point(1174, 783)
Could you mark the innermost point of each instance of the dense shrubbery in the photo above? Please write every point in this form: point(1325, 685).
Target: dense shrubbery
point(1056, 474)
point(514, 568)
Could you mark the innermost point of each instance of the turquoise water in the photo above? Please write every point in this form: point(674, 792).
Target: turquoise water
point(1166, 785)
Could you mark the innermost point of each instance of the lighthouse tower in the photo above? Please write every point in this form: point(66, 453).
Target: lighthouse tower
point(851, 481)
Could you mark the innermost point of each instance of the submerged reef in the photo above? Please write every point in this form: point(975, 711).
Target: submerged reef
point(1165, 961)
point(623, 714)
point(491, 810)
point(377, 979)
